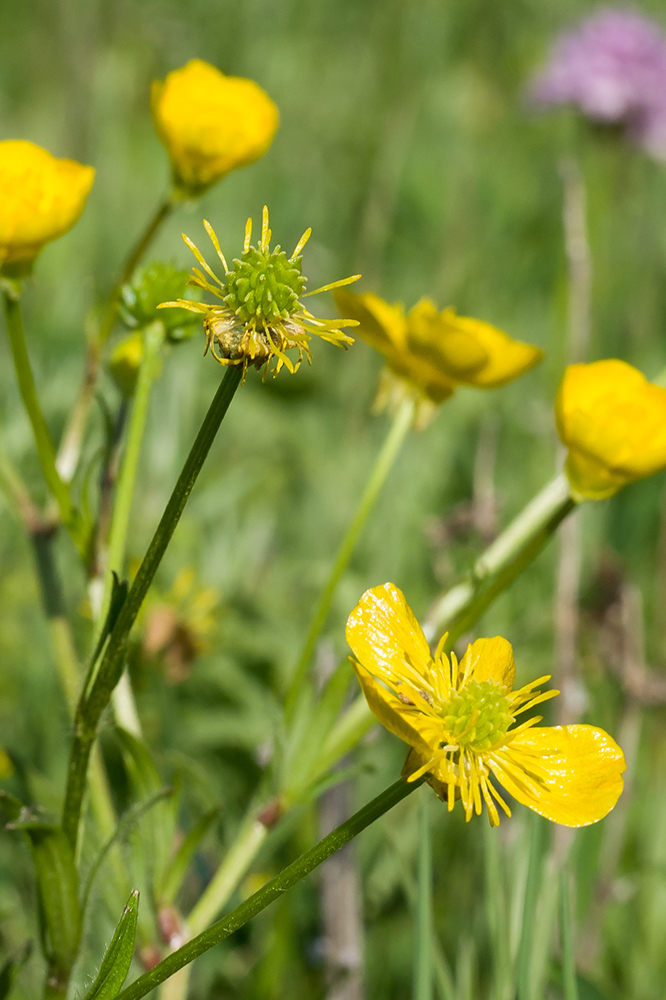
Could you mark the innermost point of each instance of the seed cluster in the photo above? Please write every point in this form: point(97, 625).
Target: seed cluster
point(478, 715)
point(264, 286)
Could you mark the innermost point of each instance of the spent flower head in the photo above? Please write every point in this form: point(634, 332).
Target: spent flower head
point(613, 422)
point(459, 720)
point(429, 353)
point(41, 198)
point(211, 123)
point(612, 67)
point(261, 316)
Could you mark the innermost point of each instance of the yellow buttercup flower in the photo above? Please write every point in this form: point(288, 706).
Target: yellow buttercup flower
point(261, 316)
point(459, 720)
point(613, 421)
point(434, 352)
point(211, 123)
point(42, 197)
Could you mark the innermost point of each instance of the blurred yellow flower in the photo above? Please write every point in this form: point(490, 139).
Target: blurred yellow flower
point(211, 123)
point(179, 625)
point(457, 719)
point(613, 421)
point(125, 362)
point(434, 352)
point(42, 197)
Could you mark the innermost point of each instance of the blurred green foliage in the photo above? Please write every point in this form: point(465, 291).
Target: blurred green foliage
point(407, 144)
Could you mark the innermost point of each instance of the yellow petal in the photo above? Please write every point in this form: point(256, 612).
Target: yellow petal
point(506, 358)
point(613, 421)
point(569, 774)
point(490, 660)
point(386, 638)
point(382, 325)
point(404, 721)
point(453, 351)
point(211, 123)
point(42, 197)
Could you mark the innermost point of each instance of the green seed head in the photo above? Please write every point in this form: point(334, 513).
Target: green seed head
point(478, 715)
point(264, 286)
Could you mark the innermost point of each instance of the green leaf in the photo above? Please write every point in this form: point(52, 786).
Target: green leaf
point(176, 870)
point(11, 969)
point(118, 957)
point(10, 806)
point(58, 890)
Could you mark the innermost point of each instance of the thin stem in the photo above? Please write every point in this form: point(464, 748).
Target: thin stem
point(423, 958)
point(393, 442)
point(45, 449)
point(287, 878)
point(72, 439)
point(502, 562)
point(94, 701)
point(123, 697)
point(236, 863)
point(536, 849)
point(569, 979)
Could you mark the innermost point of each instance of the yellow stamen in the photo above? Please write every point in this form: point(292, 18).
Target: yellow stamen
point(301, 243)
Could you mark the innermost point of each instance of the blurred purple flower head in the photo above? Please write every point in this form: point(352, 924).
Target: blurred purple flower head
point(613, 68)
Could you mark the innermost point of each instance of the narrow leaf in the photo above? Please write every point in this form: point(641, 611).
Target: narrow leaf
point(11, 969)
point(118, 957)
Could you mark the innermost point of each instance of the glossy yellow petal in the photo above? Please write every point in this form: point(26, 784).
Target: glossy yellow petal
point(454, 352)
point(506, 358)
point(613, 421)
point(490, 660)
point(404, 721)
point(211, 123)
point(42, 197)
point(570, 774)
point(386, 638)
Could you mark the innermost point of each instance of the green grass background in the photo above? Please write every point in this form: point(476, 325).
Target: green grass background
point(407, 144)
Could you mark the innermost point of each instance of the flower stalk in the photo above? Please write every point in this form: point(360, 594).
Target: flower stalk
point(45, 449)
point(500, 564)
point(100, 685)
point(393, 442)
point(287, 879)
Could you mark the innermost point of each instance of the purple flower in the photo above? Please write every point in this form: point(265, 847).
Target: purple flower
point(613, 68)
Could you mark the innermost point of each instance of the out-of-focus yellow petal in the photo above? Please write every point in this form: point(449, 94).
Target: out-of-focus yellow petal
point(403, 721)
point(452, 350)
point(570, 774)
point(211, 123)
point(506, 358)
point(490, 660)
point(386, 638)
point(382, 325)
point(41, 197)
point(613, 421)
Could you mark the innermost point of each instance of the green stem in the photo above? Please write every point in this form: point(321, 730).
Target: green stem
point(393, 442)
point(497, 568)
point(94, 701)
point(236, 863)
point(569, 979)
point(123, 697)
point(72, 439)
point(45, 449)
point(423, 965)
point(534, 869)
point(287, 878)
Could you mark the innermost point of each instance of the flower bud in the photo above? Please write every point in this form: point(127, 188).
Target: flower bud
point(211, 123)
point(125, 362)
point(613, 421)
point(42, 197)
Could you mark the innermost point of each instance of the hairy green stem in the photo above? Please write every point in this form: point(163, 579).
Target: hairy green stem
point(504, 560)
point(94, 700)
point(384, 462)
point(72, 439)
point(287, 878)
point(45, 449)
